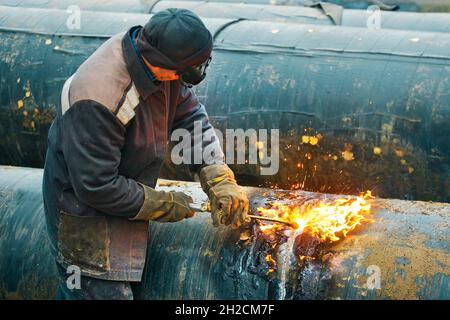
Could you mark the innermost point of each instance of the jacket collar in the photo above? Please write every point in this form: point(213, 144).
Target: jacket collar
point(139, 72)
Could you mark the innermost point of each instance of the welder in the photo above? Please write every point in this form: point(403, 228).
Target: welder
point(106, 147)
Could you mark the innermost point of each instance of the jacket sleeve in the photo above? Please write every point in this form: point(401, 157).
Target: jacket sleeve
point(192, 117)
point(91, 139)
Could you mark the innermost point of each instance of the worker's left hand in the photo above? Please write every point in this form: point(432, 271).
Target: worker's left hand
point(229, 204)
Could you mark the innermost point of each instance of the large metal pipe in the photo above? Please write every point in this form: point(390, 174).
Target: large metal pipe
point(406, 249)
point(434, 22)
point(377, 102)
point(144, 6)
point(129, 6)
point(403, 5)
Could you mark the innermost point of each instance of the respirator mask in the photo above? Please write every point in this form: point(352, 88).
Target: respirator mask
point(192, 76)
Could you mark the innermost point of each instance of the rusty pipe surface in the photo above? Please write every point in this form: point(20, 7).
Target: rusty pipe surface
point(404, 254)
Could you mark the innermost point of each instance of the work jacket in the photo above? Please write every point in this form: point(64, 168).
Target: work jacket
point(110, 134)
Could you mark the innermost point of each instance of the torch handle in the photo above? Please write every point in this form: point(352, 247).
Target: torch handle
point(204, 208)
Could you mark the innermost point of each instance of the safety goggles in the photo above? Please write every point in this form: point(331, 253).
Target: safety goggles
point(192, 76)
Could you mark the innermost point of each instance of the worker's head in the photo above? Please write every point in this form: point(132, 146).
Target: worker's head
point(175, 44)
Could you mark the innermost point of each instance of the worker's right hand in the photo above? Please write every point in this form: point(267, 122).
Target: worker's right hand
point(164, 206)
point(229, 204)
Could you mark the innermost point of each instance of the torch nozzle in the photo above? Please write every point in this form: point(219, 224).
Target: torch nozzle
point(291, 224)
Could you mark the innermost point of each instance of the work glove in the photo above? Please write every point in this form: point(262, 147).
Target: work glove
point(229, 204)
point(164, 206)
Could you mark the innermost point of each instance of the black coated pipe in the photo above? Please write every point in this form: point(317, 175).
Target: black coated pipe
point(144, 6)
point(376, 102)
point(434, 22)
point(403, 5)
point(404, 254)
point(129, 6)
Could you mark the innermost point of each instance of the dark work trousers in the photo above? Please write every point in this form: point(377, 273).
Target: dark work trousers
point(96, 289)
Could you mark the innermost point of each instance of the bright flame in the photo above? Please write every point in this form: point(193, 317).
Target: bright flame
point(325, 220)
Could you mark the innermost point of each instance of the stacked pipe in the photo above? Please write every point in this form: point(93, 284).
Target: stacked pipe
point(404, 254)
point(377, 102)
point(144, 6)
point(129, 6)
point(434, 22)
point(404, 5)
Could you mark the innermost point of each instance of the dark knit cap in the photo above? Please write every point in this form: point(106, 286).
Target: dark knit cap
point(175, 39)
